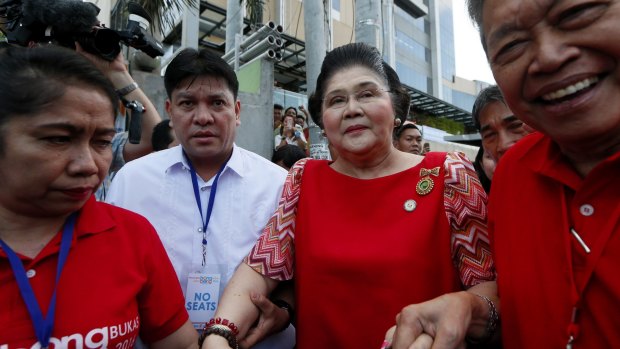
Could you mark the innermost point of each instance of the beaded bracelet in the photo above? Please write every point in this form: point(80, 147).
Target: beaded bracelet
point(221, 327)
point(491, 324)
point(223, 322)
point(222, 331)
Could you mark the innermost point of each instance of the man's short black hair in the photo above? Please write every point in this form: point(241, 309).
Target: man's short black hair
point(289, 154)
point(162, 135)
point(405, 126)
point(191, 63)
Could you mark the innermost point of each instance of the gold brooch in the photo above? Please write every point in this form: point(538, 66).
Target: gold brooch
point(426, 184)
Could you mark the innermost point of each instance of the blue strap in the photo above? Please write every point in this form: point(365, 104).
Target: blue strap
point(43, 326)
point(205, 222)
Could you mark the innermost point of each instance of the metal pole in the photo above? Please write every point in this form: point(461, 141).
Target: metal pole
point(314, 26)
point(267, 43)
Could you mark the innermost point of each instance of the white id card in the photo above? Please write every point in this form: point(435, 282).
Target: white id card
point(202, 297)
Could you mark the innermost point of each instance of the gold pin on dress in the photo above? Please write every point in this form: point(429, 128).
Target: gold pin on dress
point(426, 184)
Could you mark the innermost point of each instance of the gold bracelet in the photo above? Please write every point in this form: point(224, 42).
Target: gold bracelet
point(491, 324)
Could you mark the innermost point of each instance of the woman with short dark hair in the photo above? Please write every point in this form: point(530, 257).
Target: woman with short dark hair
point(72, 268)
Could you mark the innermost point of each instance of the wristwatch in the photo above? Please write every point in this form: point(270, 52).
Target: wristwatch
point(121, 92)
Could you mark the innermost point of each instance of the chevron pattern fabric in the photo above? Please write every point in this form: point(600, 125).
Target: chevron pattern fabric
point(273, 254)
point(465, 206)
point(465, 203)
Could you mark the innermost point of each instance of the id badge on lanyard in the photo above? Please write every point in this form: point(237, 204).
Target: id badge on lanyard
point(202, 293)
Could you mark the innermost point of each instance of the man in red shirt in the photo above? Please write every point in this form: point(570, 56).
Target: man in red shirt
point(554, 208)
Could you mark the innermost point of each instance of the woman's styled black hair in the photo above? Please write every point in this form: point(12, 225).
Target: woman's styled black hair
point(484, 180)
point(289, 154)
point(351, 55)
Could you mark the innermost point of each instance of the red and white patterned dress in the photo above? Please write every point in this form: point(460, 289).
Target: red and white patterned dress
point(358, 256)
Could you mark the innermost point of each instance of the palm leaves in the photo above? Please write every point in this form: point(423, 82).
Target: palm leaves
point(164, 11)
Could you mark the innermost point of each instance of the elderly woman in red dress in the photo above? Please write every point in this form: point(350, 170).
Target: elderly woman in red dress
point(370, 232)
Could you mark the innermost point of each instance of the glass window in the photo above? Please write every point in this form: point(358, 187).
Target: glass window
point(412, 77)
point(403, 16)
point(336, 5)
point(407, 46)
point(463, 100)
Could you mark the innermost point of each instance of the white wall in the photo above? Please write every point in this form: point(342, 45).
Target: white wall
point(435, 138)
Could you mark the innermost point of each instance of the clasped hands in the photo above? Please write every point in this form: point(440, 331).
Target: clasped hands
point(272, 319)
point(441, 323)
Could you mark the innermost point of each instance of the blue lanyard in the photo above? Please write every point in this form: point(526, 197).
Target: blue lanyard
point(43, 326)
point(205, 222)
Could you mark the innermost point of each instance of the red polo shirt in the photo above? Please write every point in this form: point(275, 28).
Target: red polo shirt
point(117, 283)
point(543, 271)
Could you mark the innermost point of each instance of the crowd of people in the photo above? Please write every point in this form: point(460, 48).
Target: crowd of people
point(199, 243)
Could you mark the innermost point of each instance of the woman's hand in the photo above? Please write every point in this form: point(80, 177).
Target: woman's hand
point(441, 323)
point(445, 321)
point(289, 130)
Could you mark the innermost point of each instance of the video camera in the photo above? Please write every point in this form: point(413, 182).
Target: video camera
point(63, 22)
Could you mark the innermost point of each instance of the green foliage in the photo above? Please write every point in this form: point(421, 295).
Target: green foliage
point(444, 124)
point(163, 10)
point(255, 11)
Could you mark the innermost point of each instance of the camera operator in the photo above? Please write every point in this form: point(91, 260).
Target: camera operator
point(74, 24)
point(123, 151)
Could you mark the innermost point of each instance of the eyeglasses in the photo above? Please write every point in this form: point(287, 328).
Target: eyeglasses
point(365, 96)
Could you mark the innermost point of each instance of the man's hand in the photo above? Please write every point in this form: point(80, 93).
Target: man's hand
point(272, 319)
point(116, 70)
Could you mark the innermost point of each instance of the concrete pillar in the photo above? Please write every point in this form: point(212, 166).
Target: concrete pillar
point(389, 34)
point(234, 22)
point(435, 36)
point(190, 26)
point(256, 94)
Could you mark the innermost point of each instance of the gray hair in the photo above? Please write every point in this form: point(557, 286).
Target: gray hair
point(487, 96)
